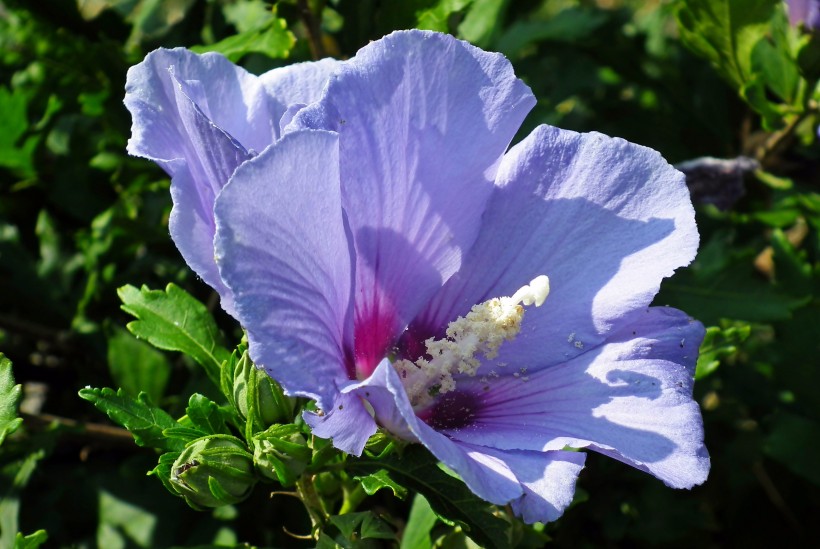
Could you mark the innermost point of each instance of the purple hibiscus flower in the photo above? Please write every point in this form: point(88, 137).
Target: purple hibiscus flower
point(380, 256)
point(199, 117)
point(388, 257)
point(804, 11)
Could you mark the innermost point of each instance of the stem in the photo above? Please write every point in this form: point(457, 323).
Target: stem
point(779, 139)
point(313, 503)
point(314, 30)
point(352, 498)
point(93, 430)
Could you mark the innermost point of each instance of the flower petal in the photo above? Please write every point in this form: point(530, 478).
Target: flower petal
point(347, 422)
point(300, 83)
point(423, 121)
point(199, 117)
point(171, 96)
point(604, 219)
point(630, 399)
point(548, 479)
point(486, 475)
point(283, 250)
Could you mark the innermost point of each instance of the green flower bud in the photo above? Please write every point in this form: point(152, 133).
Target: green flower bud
point(258, 397)
point(281, 454)
point(213, 471)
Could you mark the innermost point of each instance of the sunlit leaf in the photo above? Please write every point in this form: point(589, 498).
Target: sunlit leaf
point(175, 321)
point(272, 39)
point(144, 420)
point(10, 394)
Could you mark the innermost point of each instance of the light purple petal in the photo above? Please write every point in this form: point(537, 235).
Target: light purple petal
point(804, 11)
point(548, 479)
point(283, 251)
point(630, 399)
point(347, 422)
point(486, 475)
point(196, 116)
point(604, 219)
point(300, 83)
point(423, 120)
point(199, 117)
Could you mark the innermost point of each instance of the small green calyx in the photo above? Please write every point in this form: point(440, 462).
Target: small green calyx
point(213, 471)
point(258, 397)
point(281, 454)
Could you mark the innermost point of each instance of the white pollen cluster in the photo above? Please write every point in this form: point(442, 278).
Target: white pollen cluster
point(481, 331)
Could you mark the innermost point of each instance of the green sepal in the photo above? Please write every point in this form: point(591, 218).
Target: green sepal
point(213, 471)
point(281, 454)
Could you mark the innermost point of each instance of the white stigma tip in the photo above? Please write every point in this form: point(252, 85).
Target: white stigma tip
point(534, 293)
point(479, 332)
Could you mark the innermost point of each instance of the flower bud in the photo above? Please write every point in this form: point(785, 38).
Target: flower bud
point(258, 396)
point(281, 454)
point(213, 471)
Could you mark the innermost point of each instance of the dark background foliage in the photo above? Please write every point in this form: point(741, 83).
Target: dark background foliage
point(690, 78)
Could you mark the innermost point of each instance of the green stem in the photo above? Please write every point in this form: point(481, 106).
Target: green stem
point(780, 138)
point(352, 498)
point(312, 502)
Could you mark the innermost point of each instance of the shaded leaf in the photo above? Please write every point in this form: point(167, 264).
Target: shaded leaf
point(124, 524)
point(14, 478)
point(737, 292)
point(448, 496)
point(794, 441)
point(421, 520)
point(135, 366)
point(569, 25)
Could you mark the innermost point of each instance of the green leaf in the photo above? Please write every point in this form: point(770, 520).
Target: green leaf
point(9, 400)
point(123, 524)
point(381, 479)
point(419, 524)
point(15, 151)
point(363, 525)
point(483, 21)
point(720, 344)
point(726, 32)
point(448, 496)
point(793, 273)
point(272, 39)
point(794, 441)
point(144, 420)
point(154, 18)
point(173, 320)
point(163, 470)
point(736, 292)
point(437, 17)
point(206, 415)
point(570, 25)
point(135, 366)
point(14, 478)
point(31, 541)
